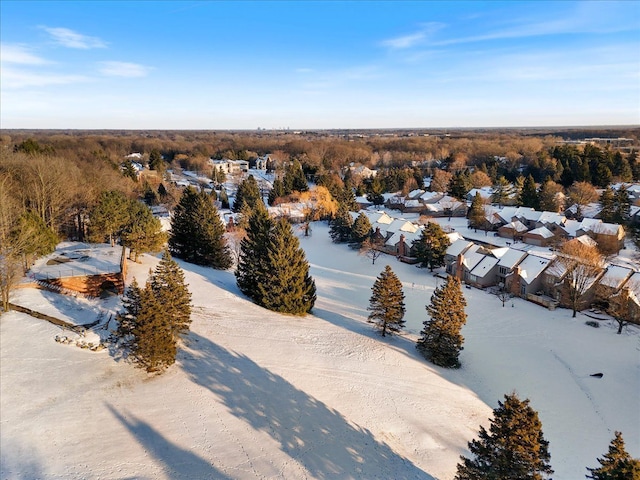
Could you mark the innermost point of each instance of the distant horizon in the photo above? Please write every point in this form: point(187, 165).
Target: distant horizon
point(317, 65)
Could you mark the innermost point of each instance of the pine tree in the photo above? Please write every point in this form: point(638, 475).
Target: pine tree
point(441, 340)
point(143, 232)
point(616, 464)
point(607, 205)
point(294, 179)
point(387, 303)
point(340, 230)
point(248, 193)
point(502, 191)
point(197, 232)
point(513, 449)
point(477, 216)
point(276, 192)
point(431, 247)
point(361, 229)
point(168, 286)
point(155, 160)
point(251, 270)
point(460, 184)
point(286, 285)
point(549, 196)
point(529, 194)
point(622, 204)
point(155, 316)
point(109, 217)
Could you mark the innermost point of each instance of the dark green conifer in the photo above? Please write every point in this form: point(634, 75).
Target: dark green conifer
point(607, 205)
point(387, 303)
point(340, 225)
point(529, 194)
point(197, 232)
point(513, 449)
point(248, 193)
point(476, 213)
point(431, 247)
point(361, 229)
point(276, 192)
point(622, 203)
point(441, 340)
point(294, 179)
point(169, 287)
point(286, 285)
point(616, 464)
point(253, 253)
point(143, 232)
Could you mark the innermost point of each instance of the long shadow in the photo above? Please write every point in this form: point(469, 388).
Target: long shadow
point(314, 435)
point(179, 463)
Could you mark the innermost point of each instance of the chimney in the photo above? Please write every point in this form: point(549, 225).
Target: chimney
point(401, 249)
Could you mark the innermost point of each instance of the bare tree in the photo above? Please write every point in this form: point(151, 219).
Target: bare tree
point(582, 264)
point(581, 194)
point(622, 307)
point(371, 248)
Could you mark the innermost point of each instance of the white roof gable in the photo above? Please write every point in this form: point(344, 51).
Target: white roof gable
point(531, 267)
point(615, 276)
point(484, 266)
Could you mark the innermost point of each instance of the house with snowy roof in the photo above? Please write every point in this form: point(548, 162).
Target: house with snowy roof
point(611, 283)
point(527, 275)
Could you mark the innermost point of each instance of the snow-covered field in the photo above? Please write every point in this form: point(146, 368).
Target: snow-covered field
point(255, 394)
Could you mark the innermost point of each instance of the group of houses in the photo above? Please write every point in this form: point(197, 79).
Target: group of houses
point(535, 274)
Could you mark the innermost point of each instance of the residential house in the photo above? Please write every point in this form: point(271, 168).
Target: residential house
point(452, 256)
point(526, 278)
point(507, 264)
point(540, 237)
point(610, 284)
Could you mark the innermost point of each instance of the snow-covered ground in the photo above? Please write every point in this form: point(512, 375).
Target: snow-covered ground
point(255, 394)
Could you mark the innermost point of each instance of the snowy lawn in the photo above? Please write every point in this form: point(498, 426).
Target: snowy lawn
point(255, 394)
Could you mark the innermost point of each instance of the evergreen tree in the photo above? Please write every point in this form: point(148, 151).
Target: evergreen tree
point(375, 188)
point(361, 228)
point(607, 205)
point(248, 193)
point(129, 171)
point(276, 192)
point(441, 340)
point(154, 317)
point(513, 449)
point(340, 226)
point(616, 464)
point(460, 184)
point(143, 232)
point(622, 204)
point(31, 238)
point(387, 303)
point(286, 285)
point(197, 232)
point(168, 286)
point(155, 160)
point(224, 198)
point(294, 179)
point(347, 197)
point(477, 216)
point(548, 196)
point(529, 194)
point(502, 191)
point(251, 270)
point(431, 247)
point(109, 217)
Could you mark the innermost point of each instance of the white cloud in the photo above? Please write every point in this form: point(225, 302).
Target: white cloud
point(69, 38)
point(124, 69)
point(413, 39)
point(14, 78)
point(19, 54)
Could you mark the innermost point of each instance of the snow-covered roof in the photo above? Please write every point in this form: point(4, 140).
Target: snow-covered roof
point(484, 266)
point(552, 217)
point(453, 236)
point(605, 228)
point(484, 192)
point(586, 240)
point(633, 284)
point(409, 237)
point(459, 246)
point(531, 267)
point(615, 276)
point(412, 203)
point(511, 258)
point(571, 227)
point(76, 259)
point(517, 225)
point(429, 197)
point(472, 257)
point(415, 193)
point(528, 213)
point(401, 225)
point(543, 232)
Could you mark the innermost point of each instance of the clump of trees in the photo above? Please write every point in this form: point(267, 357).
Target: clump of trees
point(155, 317)
point(441, 339)
point(272, 268)
point(513, 448)
point(387, 303)
point(197, 232)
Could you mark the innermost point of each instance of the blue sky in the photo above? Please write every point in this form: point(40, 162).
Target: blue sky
point(316, 65)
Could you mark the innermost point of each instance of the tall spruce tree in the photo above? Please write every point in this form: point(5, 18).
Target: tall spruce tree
point(513, 449)
point(529, 194)
point(616, 464)
point(286, 285)
point(340, 225)
point(441, 340)
point(251, 270)
point(155, 316)
point(361, 229)
point(477, 216)
point(607, 205)
point(248, 193)
point(276, 192)
point(622, 206)
point(431, 247)
point(169, 287)
point(143, 232)
point(197, 232)
point(387, 303)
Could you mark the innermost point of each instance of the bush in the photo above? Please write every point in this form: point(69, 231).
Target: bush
point(592, 323)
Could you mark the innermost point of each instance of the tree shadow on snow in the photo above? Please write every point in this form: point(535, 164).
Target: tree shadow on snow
point(317, 437)
point(179, 463)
